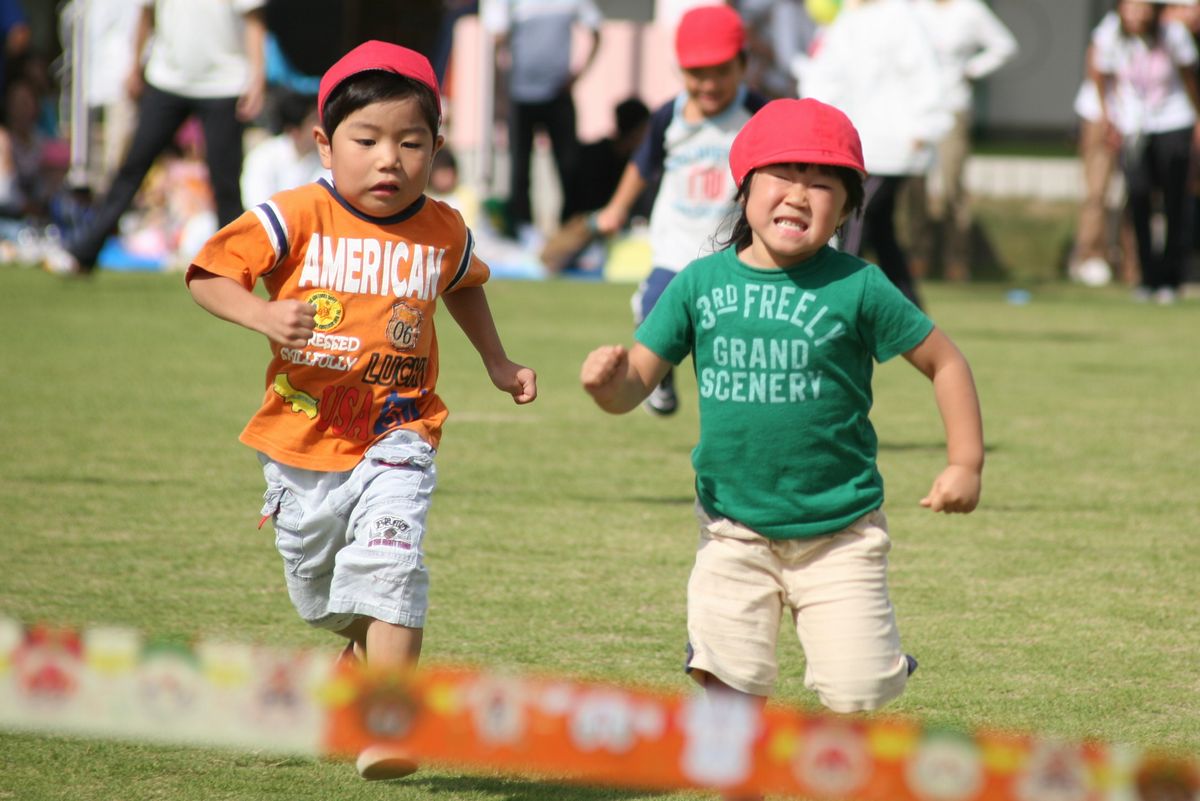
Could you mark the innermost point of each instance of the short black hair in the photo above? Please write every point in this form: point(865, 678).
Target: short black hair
point(631, 113)
point(376, 86)
point(291, 109)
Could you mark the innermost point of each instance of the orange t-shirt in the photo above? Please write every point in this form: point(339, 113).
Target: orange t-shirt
point(372, 364)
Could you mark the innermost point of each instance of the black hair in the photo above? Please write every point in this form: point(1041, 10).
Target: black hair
point(631, 113)
point(444, 159)
point(740, 234)
point(292, 107)
point(376, 86)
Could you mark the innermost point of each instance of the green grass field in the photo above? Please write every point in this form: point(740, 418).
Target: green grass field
point(561, 537)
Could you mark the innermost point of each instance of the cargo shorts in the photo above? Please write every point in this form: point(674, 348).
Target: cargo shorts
point(352, 542)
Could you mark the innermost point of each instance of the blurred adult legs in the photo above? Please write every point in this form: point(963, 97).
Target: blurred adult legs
point(1161, 167)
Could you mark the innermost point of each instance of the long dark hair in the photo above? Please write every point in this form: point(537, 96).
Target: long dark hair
point(1153, 36)
point(740, 236)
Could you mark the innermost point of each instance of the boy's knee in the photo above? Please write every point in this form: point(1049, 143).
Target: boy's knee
point(864, 693)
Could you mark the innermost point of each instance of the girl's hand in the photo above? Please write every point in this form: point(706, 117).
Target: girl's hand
point(603, 370)
point(289, 322)
point(515, 379)
point(956, 489)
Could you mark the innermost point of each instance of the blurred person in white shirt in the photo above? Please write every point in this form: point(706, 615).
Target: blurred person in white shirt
point(876, 63)
point(971, 43)
point(288, 159)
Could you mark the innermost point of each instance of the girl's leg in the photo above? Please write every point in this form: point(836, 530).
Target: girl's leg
point(715, 687)
point(1172, 153)
point(1139, 187)
point(845, 619)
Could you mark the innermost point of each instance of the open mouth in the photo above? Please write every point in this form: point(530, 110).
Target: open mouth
point(383, 188)
point(791, 225)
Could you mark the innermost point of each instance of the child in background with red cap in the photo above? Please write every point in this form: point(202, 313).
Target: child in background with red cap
point(783, 331)
point(687, 151)
point(350, 418)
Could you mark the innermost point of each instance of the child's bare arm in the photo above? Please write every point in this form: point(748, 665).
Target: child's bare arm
point(610, 218)
point(619, 379)
point(285, 322)
point(469, 308)
point(957, 488)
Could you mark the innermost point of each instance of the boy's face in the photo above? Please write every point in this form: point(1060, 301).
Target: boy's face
point(793, 211)
point(713, 88)
point(380, 156)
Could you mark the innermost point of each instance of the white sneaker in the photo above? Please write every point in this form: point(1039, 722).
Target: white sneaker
point(382, 762)
point(662, 400)
point(1093, 272)
point(57, 260)
point(1164, 296)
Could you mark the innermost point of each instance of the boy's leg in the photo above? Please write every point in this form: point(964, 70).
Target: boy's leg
point(391, 646)
point(845, 619)
point(380, 575)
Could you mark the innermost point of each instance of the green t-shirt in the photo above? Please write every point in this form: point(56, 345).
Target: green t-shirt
point(783, 362)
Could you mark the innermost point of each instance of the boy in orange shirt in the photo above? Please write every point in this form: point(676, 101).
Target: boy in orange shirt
point(350, 419)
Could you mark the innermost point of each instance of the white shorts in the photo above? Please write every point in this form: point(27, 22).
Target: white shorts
point(836, 589)
point(351, 542)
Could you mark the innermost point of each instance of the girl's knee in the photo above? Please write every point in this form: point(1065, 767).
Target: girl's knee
point(863, 693)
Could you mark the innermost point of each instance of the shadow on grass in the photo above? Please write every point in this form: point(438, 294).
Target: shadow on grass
point(625, 499)
point(497, 788)
point(1016, 334)
point(95, 481)
point(932, 447)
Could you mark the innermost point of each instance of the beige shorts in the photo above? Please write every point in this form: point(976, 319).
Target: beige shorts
point(835, 587)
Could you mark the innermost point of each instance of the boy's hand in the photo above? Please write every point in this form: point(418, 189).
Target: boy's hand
point(289, 322)
point(602, 370)
point(608, 221)
point(516, 380)
point(956, 489)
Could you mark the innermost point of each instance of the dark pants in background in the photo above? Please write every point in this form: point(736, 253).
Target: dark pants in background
point(1159, 166)
point(557, 117)
point(876, 229)
point(160, 114)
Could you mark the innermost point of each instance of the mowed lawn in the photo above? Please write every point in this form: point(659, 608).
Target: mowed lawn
point(561, 537)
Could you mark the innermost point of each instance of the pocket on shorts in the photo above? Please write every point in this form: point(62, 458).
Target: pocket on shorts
point(391, 514)
point(872, 527)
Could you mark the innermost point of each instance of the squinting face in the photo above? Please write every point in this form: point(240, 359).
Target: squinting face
point(380, 156)
point(713, 88)
point(793, 210)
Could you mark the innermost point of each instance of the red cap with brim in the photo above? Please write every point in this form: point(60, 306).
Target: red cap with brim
point(709, 35)
point(384, 56)
point(795, 132)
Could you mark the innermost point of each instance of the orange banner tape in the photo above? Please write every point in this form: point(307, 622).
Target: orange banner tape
point(115, 683)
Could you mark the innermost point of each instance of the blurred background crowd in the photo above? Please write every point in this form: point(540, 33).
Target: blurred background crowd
point(117, 151)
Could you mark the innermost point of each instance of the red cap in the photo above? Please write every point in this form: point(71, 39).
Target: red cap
point(709, 35)
point(795, 132)
point(376, 55)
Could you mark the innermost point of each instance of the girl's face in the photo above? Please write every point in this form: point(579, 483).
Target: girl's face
point(380, 156)
point(1137, 16)
point(793, 210)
